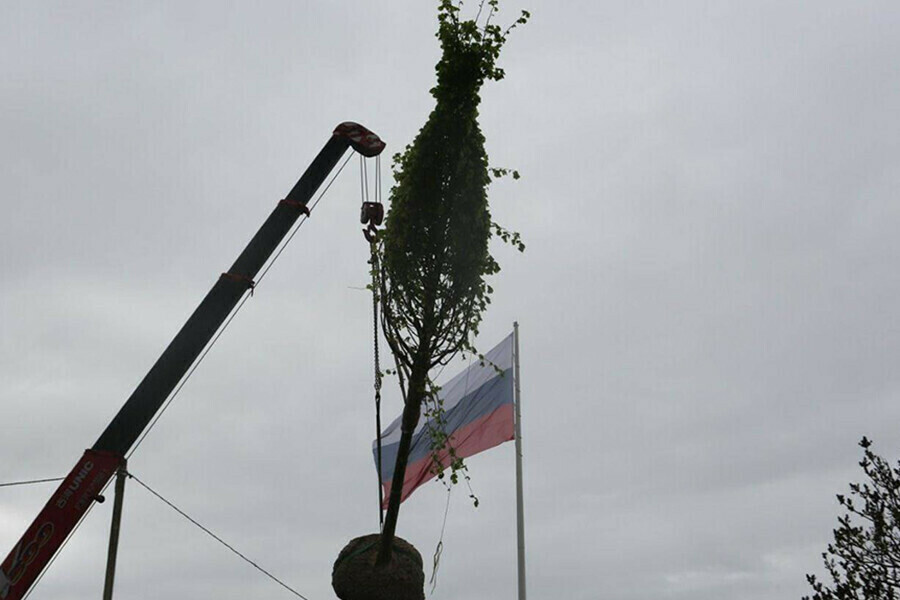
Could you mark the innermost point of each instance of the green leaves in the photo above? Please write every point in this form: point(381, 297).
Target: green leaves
point(434, 249)
point(863, 562)
point(433, 253)
point(508, 237)
point(497, 173)
point(441, 446)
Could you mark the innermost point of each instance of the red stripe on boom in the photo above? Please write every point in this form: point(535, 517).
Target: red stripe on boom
point(55, 522)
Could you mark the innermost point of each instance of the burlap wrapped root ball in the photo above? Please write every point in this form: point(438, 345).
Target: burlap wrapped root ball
point(355, 576)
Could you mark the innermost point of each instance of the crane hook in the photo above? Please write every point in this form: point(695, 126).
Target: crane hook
point(372, 215)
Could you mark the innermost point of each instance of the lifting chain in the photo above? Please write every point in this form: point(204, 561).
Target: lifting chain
point(375, 269)
point(371, 214)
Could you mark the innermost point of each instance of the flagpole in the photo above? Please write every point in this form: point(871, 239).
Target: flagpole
point(520, 513)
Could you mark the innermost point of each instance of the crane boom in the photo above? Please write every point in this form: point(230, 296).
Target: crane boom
point(70, 502)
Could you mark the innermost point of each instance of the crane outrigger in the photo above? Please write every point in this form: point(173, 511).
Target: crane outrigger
point(81, 488)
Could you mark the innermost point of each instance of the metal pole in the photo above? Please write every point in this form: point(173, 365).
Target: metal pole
point(520, 503)
point(121, 474)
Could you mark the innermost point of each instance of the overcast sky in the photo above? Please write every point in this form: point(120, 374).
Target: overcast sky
point(708, 301)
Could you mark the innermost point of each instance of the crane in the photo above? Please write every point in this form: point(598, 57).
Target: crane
point(90, 475)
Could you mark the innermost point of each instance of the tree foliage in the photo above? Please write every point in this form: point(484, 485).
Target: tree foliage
point(863, 561)
point(433, 255)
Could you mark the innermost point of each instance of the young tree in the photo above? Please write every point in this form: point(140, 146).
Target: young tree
point(431, 263)
point(433, 253)
point(863, 561)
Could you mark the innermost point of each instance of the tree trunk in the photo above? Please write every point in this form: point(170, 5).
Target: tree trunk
point(411, 412)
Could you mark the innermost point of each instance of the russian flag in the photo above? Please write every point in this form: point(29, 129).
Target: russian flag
point(478, 414)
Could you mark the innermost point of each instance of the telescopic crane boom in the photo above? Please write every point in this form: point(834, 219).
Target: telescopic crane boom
point(70, 502)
